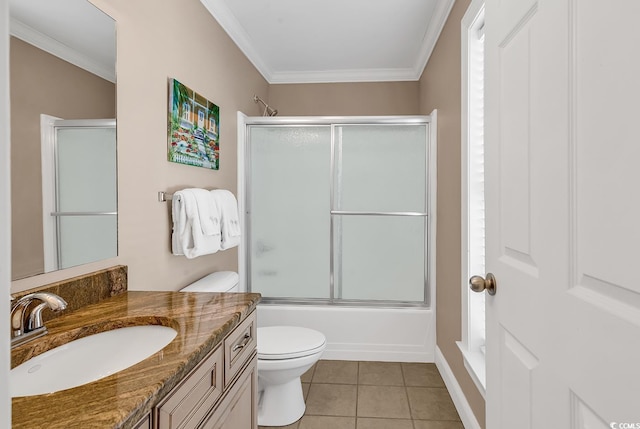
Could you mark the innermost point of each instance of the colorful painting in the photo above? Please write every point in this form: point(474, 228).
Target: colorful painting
point(194, 125)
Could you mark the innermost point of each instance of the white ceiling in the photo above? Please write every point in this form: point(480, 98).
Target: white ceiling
point(73, 30)
point(288, 41)
point(295, 41)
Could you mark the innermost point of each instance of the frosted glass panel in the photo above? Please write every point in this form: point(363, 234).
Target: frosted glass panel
point(380, 257)
point(86, 169)
point(381, 168)
point(86, 182)
point(86, 239)
point(289, 211)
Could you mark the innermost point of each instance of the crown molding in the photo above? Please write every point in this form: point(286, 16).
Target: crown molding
point(438, 20)
point(33, 37)
point(229, 23)
point(337, 76)
point(219, 10)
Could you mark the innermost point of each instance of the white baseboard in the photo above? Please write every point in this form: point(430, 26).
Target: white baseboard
point(469, 420)
point(375, 354)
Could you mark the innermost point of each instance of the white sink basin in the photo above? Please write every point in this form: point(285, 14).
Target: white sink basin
point(88, 359)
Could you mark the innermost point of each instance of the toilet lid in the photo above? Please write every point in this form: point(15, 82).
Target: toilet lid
point(287, 342)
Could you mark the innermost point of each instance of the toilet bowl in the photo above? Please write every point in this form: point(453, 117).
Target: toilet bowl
point(284, 354)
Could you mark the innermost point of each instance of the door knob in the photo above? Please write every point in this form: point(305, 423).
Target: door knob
point(478, 284)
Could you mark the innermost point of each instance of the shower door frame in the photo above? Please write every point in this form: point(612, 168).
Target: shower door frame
point(244, 172)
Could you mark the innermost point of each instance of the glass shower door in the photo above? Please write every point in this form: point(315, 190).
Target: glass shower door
point(338, 212)
point(86, 192)
point(288, 211)
point(379, 213)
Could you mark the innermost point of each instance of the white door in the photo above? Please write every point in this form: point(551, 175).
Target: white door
point(563, 204)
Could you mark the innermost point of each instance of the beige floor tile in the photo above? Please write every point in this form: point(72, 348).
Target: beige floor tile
point(369, 423)
point(307, 376)
point(427, 424)
point(331, 400)
point(324, 422)
point(380, 373)
point(336, 371)
point(422, 375)
point(383, 401)
point(429, 403)
point(305, 390)
point(291, 426)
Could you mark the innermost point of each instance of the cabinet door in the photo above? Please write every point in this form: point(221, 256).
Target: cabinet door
point(238, 409)
point(188, 403)
point(145, 423)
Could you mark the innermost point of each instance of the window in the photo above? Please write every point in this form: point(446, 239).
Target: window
point(473, 222)
point(186, 112)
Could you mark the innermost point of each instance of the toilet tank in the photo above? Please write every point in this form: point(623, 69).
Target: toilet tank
point(220, 281)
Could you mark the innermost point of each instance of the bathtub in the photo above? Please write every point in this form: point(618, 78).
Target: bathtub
point(366, 334)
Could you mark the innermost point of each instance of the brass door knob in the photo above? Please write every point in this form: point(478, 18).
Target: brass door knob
point(478, 284)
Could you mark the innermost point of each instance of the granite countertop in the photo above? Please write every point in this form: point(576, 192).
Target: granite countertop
point(202, 320)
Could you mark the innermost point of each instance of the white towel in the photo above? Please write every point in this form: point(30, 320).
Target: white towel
point(188, 237)
point(179, 217)
point(229, 218)
point(208, 211)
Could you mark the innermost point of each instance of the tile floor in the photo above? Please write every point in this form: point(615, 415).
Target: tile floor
point(375, 395)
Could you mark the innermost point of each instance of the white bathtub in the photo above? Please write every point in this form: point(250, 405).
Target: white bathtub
point(367, 334)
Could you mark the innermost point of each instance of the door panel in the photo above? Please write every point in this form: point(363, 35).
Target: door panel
point(515, 162)
point(289, 206)
point(381, 257)
point(381, 168)
point(561, 203)
point(517, 368)
point(86, 182)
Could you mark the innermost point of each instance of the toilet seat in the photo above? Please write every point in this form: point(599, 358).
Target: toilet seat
point(288, 342)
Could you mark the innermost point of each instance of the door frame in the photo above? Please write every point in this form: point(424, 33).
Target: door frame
point(48, 126)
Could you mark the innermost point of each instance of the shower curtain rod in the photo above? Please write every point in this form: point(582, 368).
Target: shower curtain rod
point(268, 110)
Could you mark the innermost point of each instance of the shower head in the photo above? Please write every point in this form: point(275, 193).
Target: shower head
point(268, 110)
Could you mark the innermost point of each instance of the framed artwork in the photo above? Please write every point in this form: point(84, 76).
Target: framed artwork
point(194, 125)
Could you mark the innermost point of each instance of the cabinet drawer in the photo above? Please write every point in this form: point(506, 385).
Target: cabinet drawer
point(188, 403)
point(239, 347)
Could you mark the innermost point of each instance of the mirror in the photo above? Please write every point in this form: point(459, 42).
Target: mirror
point(63, 161)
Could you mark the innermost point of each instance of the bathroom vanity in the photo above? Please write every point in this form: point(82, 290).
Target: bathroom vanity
point(230, 371)
point(205, 378)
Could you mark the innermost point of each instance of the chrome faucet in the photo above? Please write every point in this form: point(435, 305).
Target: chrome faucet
point(28, 327)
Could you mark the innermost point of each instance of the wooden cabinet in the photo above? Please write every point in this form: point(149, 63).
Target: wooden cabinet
point(220, 392)
point(239, 346)
point(233, 412)
point(145, 423)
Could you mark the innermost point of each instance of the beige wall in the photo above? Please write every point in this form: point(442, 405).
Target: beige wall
point(440, 87)
point(42, 83)
point(151, 49)
point(342, 99)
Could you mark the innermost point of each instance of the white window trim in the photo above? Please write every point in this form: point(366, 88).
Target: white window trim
point(474, 359)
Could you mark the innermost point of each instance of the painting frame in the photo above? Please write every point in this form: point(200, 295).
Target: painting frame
point(193, 128)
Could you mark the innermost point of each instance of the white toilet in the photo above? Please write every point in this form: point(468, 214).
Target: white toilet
point(284, 354)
